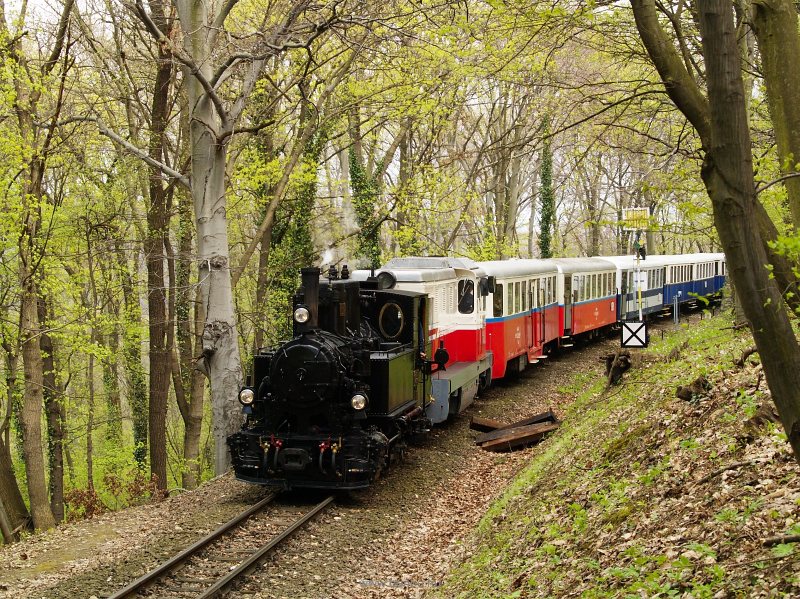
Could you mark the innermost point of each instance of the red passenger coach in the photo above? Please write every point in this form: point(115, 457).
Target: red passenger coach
point(524, 313)
point(587, 287)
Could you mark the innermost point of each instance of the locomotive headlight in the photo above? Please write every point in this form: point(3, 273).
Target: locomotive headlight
point(246, 396)
point(301, 315)
point(358, 401)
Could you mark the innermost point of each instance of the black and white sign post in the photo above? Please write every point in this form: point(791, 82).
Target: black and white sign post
point(634, 334)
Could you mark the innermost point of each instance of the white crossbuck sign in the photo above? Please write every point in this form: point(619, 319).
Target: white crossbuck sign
point(634, 334)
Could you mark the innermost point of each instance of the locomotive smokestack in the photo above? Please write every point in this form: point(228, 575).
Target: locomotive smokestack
point(310, 279)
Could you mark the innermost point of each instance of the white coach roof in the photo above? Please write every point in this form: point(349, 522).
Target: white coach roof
point(423, 269)
point(518, 268)
point(629, 262)
point(570, 265)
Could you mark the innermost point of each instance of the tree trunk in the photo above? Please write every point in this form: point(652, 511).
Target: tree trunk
point(728, 176)
point(775, 26)
point(188, 382)
point(132, 356)
point(5, 525)
point(220, 341)
point(10, 494)
point(31, 412)
point(90, 425)
point(111, 387)
point(221, 361)
point(54, 410)
point(155, 246)
point(267, 149)
point(33, 367)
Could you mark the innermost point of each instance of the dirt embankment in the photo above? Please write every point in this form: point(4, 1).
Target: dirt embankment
point(646, 494)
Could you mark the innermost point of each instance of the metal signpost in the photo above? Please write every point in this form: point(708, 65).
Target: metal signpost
point(634, 334)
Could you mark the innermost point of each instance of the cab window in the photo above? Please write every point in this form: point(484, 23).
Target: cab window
point(466, 296)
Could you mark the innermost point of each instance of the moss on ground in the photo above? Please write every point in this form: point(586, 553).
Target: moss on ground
point(626, 500)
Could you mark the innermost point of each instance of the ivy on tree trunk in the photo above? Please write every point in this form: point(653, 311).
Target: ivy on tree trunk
point(548, 200)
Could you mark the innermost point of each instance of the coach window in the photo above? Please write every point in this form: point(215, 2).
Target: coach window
point(524, 295)
point(510, 299)
point(497, 299)
point(466, 296)
point(517, 297)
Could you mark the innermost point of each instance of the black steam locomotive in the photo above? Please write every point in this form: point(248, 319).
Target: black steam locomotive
point(332, 407)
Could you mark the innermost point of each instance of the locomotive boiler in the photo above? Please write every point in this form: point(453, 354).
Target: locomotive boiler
point(333, 406)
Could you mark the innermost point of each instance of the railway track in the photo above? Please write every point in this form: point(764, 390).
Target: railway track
point(213, 565)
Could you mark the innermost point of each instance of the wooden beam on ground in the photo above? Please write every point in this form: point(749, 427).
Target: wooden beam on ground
point(544, 417)
point(484, 425)
point(547, 416)
point(516, 437)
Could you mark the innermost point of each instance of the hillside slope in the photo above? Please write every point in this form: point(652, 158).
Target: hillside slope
point(642, 494)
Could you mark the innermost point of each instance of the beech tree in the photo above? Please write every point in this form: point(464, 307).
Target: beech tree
point(720, 119)
point(209, 60)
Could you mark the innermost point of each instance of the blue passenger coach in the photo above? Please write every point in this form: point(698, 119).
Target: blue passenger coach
point(692, 275)
point(662, 279)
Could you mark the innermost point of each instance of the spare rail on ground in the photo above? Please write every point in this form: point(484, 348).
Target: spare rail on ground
point(498, 436)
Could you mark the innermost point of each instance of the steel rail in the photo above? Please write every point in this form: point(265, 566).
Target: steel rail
point(171, 563)
point(249, 563)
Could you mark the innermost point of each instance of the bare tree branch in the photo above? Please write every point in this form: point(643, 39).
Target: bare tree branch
point(138, 152)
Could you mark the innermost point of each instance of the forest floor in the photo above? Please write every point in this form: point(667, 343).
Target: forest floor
point(395, 539)
point(613, 502)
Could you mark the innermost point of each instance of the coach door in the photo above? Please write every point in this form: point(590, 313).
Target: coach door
point(567, 303)
point(531, 299)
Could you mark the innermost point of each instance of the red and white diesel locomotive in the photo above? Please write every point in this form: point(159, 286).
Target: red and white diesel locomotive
point(379, 355)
